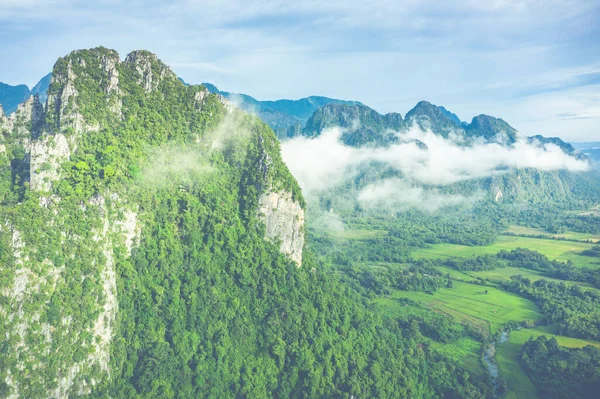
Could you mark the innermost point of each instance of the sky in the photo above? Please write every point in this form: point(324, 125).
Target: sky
point(534, 63)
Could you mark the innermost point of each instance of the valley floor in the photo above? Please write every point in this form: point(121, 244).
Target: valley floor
point(477, 300)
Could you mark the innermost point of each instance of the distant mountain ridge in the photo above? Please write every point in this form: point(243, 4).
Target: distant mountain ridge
point(590, 150)
point(12, 96)
point(363, 125)
point(284, 116)
point(367, 126)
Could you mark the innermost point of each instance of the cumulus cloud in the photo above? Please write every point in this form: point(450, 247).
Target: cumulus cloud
point(325, 162)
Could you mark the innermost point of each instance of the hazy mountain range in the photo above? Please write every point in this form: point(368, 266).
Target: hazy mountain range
point(12, 96)
point(309, 116)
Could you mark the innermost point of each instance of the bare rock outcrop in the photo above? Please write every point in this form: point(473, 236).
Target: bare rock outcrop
point(151, 72)
point(284, 221)
point(46, 157)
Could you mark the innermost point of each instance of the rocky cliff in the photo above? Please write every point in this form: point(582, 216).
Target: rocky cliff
point(284, 222)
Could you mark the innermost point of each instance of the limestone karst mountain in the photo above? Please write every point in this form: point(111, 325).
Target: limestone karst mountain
point(152, 245)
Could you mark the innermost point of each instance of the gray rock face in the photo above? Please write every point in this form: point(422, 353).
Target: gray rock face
point(143, 62)
point(46, 157)
point(284, 222)
point(109, 64)
point(28, 112)
point(62, 103)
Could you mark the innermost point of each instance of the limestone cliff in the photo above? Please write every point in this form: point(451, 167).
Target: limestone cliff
point(284, 222)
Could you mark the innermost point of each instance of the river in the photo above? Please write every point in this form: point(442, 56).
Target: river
point(489, 357)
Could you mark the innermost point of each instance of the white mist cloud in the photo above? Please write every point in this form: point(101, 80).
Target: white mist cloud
point(319, 163)
point(187, 163)
point(325, 162)
point(445, 162)
point(398, 194)
point(173, 164)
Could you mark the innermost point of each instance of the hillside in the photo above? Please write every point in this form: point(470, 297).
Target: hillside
point(152, 245)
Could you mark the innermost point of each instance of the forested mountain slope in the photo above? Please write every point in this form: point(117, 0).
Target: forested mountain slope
point(152, 245)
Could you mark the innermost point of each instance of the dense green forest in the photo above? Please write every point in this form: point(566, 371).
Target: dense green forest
point(562, 373)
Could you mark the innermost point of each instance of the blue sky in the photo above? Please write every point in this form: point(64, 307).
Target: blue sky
point(534, 63)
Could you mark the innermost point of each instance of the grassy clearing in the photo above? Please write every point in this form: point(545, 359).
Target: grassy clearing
point(511, 371)
point(521, 336)
point(468, 303)
point(553, 249)
point(358, 234)
point(507, 357)
point(466, 352)
point(571, 235)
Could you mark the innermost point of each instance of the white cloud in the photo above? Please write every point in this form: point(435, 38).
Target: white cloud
point(325, 162)
point(398, 195)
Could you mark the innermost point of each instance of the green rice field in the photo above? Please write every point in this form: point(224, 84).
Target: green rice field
point(553, 249)
point(468, 302)
point(571, 235)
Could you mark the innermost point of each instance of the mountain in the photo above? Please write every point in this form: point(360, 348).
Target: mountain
point(491, 129)
point(363, 125)
point(430, 116)
point(443, 122)
point(285, 117)
point(153, 245)
point(41, 88)
point(12, 96)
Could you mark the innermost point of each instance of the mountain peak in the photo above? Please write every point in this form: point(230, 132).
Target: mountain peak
point(12, 96)
point(492, 128)
point(431, 116)
point(362, 124)
point(151, 70)
point(84, 56)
